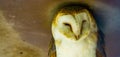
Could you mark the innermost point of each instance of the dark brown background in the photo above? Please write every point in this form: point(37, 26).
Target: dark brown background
point(31, 19)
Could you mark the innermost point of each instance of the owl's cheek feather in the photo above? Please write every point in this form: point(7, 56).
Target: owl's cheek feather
point(58, 42)
point(54, 24)
point(67, 33)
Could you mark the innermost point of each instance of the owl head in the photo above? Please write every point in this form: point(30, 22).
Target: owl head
point(73, 22)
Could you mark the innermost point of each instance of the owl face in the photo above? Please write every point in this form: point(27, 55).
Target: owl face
point(73, 25)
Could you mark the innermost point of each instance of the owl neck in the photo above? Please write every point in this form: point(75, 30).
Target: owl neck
point(70, 48)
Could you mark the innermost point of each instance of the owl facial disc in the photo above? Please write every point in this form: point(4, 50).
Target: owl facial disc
point(74, 25)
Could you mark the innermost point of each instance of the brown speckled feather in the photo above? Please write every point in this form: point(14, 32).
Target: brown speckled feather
point(100, 51)
point(98, 54)
point(52, 49)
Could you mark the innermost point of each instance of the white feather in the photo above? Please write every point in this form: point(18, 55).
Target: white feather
point(69, 47)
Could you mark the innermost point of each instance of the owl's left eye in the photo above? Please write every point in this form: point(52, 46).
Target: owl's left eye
point(68, 25)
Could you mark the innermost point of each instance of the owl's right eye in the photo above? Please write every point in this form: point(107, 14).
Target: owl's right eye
point(85, 27)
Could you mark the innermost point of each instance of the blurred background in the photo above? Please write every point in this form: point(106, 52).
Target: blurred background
point(31, 18)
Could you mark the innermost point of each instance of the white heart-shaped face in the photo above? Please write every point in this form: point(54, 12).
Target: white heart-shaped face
point(73, 26)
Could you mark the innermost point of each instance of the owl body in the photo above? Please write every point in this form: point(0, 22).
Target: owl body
point(75, 34)
point(80, 48)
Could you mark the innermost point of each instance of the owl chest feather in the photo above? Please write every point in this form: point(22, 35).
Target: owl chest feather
point(80, 48)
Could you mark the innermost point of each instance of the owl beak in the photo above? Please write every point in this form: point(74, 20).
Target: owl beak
point(77, 37)
point(77, 34)
point(78, 31)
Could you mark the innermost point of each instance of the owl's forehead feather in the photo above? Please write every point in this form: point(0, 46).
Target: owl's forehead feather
point(68, 12)
point(72, 12)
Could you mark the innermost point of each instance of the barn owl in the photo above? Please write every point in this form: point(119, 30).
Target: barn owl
point(75, 34)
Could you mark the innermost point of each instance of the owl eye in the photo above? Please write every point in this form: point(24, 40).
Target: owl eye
point(84, 26)
point(68, 25)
